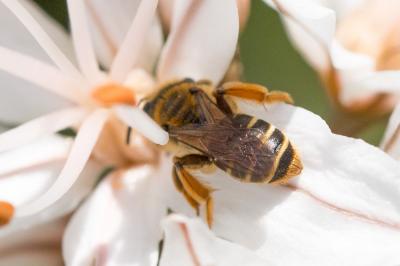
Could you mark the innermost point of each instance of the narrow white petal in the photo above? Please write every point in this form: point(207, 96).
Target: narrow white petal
point(391, 140)
point(42, 38)
point(190, 242)
point(82, 41)
point(54, 29)
point(40, 127)
point(110, 24)
point(37, 72)
point(131, 48)
point(202, 40)
point(26, 173)
point(120, 223)
point(142, 123)
point(79, 155)
point(311, 27)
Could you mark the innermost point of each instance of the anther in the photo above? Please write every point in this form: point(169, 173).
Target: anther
point(6, 212)
point(114, 94)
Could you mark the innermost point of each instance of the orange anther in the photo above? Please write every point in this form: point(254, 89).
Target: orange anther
point(113, 94)
point(6, 212)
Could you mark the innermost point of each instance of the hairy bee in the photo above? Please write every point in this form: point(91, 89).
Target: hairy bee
point(204, 130)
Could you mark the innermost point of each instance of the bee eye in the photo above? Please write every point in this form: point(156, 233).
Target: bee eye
point(165, 127)
point(193, 90)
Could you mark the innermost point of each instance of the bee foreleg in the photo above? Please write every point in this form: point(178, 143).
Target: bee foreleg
point(252, 92)
point(195, 192)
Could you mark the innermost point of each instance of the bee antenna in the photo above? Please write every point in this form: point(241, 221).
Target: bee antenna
point(128, 135)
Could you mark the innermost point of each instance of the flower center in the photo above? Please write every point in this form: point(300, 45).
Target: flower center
point(6, 212)
point(110, 94)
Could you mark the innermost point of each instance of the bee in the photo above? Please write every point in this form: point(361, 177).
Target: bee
point(205, 131)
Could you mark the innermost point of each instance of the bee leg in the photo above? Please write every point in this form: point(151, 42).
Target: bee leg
point(195, 192)
point(252, 92)
point(178, 184)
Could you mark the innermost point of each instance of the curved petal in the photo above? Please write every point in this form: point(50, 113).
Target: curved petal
point(79, 155)
point(189, 242)
point(200, 45)
point(134, 201)
point(54, 29)
point(391, 139)
point(28, 172)
point(341, 7)
point(311, 27)
point(343, 209)
point(128, 54)
point(110, 24)
point(39, 73)
point(40, 127)
point(352, 69)
point(142, 123)
point(82, 42)
point(49, 47)
point(15, 92)
point(381, 81)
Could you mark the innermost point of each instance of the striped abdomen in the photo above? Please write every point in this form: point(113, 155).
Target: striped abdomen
point(260, 153)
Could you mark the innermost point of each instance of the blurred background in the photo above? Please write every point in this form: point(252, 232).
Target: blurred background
point(269, 59)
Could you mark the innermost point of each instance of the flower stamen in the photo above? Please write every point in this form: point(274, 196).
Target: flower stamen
point(6, 212)
point(111, 94)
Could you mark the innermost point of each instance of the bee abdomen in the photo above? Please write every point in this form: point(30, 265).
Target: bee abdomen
point(282, 161)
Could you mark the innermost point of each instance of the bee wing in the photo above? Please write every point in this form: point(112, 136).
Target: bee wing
point(238, 149)
point(208, 111)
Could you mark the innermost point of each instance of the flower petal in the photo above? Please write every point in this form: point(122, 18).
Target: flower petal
point(15, 36)
point(134, 200)
point(82, 42)
point(382, 81)
point(142, 123)
point(200, 45)
point(341, 7)
point(27, 172)
point(391, 139)
point(42, 38)
point(79, 155)
point(343, 209)
point(39, 73)
point(54, 29)
point(110, 24)
point(189, 242)
point(128, 54)
point(44, 234)
point(311, 27)
point(32, 257)
point(40, 127)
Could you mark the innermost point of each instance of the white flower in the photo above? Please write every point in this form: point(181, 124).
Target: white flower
point(345, 41)
point(342, 210)
point(94, 96)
